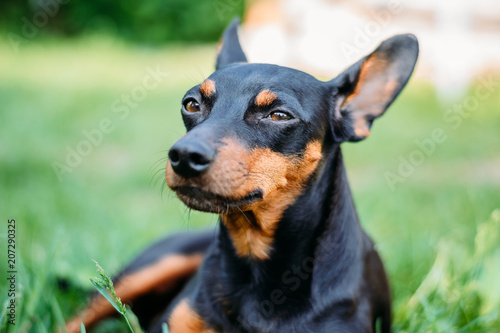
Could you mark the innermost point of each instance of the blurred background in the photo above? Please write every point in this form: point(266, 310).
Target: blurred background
point(90, 96)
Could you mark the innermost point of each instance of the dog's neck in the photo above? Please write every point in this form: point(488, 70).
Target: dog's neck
point(321, 225)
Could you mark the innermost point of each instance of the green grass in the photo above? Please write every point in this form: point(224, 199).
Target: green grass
point(444, 272)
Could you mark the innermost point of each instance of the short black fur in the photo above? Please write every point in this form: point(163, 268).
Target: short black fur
point(323, 273)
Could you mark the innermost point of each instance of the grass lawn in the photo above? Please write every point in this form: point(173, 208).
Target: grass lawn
point(431, 205)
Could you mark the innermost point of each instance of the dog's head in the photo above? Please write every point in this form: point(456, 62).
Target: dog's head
point(256, 132)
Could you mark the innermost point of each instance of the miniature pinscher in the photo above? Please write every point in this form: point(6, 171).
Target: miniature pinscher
point(262, 150)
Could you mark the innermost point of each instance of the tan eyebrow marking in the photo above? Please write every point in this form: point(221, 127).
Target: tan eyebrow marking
point(207, 88)
point(265, 98)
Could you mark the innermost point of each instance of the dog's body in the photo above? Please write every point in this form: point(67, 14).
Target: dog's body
point(263, 151)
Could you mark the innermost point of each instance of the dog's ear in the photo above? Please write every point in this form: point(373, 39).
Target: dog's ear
point(366, 89)
point(229, 50)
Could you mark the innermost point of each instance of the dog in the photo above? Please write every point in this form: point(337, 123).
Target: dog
point(262, 150)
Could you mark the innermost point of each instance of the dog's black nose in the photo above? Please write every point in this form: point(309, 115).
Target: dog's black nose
point(190, 158)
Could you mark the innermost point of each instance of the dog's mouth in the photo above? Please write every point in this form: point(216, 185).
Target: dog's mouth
point(205, 201)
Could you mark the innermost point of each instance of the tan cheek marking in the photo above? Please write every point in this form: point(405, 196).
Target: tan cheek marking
point(237, 172)
point(160, 277)
point(282, 179)
point(184, 320)
point(265, 98)
point(207, 88)
point(228, 176)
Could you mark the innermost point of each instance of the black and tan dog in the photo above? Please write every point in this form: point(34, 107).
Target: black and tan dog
point(262, 150)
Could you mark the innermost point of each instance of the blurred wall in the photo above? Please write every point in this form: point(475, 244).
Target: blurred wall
point(459, 39)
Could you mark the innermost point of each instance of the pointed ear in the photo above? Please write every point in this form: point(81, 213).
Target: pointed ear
point(366, 89)
point(229, 50)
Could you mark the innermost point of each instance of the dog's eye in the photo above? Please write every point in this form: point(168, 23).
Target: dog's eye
point(280, 116)
point(191, 105)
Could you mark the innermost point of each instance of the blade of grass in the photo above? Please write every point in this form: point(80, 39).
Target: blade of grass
point(134, 321)
point(56, 309)
point(104, 285)
point(3, 317)
point(104, 292)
